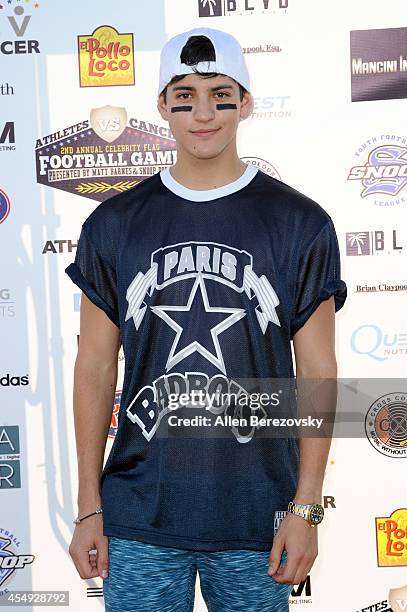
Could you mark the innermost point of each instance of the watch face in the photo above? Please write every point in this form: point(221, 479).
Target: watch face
point(316, 514)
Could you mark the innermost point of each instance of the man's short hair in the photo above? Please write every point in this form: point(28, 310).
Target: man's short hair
point(198, 49)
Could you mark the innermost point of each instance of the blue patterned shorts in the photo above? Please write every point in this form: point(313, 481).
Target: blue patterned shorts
point(149, 578)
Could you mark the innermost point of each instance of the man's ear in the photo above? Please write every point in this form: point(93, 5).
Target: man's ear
point(162, 107)
point(247, 104)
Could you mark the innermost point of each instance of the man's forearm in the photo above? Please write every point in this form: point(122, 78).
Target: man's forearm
point(94, 389)
point(316, 397)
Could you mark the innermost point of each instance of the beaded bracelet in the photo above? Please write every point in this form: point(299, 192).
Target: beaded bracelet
point(79, 520)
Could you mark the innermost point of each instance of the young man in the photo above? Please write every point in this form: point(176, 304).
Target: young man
point(204, 272)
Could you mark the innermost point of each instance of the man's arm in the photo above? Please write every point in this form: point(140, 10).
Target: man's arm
point(314, 347)
point(95, 378)
point(316, 373)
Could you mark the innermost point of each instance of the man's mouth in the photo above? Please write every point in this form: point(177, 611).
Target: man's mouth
point(205, 132)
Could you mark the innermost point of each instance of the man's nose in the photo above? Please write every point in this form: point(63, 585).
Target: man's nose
point(204, 109)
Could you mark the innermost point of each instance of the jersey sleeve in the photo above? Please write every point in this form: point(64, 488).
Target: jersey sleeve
point(318, 277)
point(93, 269)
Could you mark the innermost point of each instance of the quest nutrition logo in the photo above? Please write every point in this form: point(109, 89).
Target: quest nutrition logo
point(104, 155)
point(106, 58)
point(379, 64)
point(15, 20)
point(228, 8)
point(380, 171)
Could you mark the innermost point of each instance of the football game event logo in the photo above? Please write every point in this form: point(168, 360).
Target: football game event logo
point(391, 539)
point(106, 58)
point(103, 155)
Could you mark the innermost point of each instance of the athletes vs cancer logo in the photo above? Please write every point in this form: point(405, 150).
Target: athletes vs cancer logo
point(104, 155)
point(16, 21)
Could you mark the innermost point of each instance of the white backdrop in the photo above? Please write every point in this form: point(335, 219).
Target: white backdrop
point(306, 131)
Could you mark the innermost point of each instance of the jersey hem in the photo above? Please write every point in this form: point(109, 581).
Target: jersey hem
point(172, 541)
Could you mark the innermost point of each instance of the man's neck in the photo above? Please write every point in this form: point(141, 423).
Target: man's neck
point(205, 174)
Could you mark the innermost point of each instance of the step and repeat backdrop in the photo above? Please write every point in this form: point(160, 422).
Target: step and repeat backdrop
point(79, 124)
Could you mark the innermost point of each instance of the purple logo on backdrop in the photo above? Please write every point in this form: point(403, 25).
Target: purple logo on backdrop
point(210, 8)
point(384, 171)
point(379, 64)
point(357, 243)
point(10, 560)
point(4, 206)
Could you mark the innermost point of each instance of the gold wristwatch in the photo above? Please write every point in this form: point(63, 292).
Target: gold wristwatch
point(312, 513)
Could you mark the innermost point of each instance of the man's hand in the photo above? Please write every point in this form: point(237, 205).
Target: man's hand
point(88, 536)
point(300, 540)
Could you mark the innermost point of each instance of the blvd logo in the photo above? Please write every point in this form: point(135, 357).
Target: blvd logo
point(371, 242)
point(219, 8)
point(18, 21)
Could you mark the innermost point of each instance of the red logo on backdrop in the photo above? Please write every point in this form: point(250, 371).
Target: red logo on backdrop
point(115, 414)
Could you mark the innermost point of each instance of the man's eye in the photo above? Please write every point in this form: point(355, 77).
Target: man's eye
point(183, 94)
point(222, 93)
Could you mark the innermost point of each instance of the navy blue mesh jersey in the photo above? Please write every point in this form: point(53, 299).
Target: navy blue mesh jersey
point(208, 288)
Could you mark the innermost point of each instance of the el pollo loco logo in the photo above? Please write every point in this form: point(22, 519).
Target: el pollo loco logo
point(391, 535)
point(106, 58)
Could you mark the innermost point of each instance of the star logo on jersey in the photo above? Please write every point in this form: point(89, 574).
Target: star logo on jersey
point(202, 338)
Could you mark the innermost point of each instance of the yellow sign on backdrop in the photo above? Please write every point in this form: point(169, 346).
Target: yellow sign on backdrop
point(391, 539)
point(106, 58)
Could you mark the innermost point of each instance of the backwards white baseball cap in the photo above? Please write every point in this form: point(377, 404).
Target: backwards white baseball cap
point(229, 58)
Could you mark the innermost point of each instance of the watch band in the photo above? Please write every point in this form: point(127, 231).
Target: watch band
point(312, 513)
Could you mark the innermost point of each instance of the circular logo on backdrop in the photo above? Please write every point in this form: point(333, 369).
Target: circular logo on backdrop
point(386, 424)
point(263, 165)
point(4, 206)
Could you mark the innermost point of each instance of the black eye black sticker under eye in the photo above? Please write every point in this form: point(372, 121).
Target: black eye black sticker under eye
point(225, 106)
point(178, 109)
